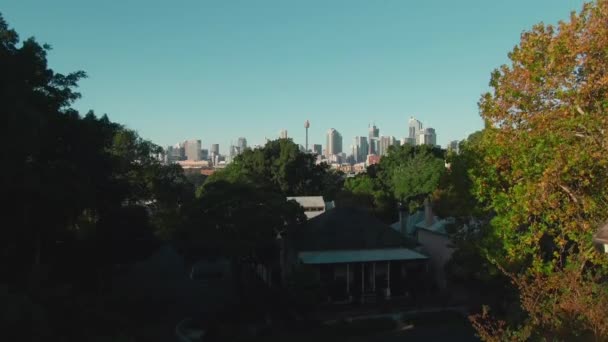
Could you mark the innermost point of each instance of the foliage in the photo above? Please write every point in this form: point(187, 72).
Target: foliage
point(544, 176)
point(454, 195)
point(411, 173)
point(407, 175)
point(81, 193)
point(281, 166)
point(369, 192)
point(240, 221)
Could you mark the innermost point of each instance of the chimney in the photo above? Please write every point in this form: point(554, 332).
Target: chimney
point(403, 215)
point(428, 213)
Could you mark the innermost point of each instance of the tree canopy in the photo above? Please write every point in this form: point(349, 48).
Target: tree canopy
point(544, 176)
point(80, 193)
point(281, 166)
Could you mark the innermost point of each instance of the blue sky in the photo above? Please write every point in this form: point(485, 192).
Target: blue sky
point(217, 70)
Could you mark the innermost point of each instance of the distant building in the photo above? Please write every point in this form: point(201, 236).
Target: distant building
point(334, 159)
point(193, 164)
point(174, 154)
point(193, 149)
point(427, 137)
point(334, 142)
point(372, 159)
point(374, 134)
point(454, 146)
point(359, 168)
point(242, 144)
point(384, 143)
point(283, 134)
point(346, 168)
point(415, 128)
point(317, 148)
point(215, 149)
point(204, 154)
point(360, 149)
point(234, 151)
point(350, 159)
point(408, 141)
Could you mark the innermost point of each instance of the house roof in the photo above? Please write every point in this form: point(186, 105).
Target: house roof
point(347, 229)
point(366, 255)
point(309, 201)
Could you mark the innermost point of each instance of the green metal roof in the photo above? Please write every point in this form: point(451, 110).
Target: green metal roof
point(362, 255)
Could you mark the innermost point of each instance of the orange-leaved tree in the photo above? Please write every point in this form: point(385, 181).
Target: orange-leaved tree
point(545, 177)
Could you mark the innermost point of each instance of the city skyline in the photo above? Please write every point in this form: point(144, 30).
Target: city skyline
point(283, 133)
point(253, 68)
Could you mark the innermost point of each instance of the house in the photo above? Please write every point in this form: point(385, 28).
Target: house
point(358, 257)
point(430, 232)
point(313, 205)
point(600, 239)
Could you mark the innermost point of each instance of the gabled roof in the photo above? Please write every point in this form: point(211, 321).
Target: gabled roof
point(347, 228)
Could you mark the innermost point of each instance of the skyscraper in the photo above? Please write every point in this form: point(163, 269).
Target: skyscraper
point(233, 151)
point(427, 137)
point(334, 142)
point(214, 151)
point(174, 153)
point(241, 144)
point(306, 125)
point(374, 134)
point(415, 127)
point(283, 134)
point(193, 149)
point(384, 143)
point(360, 149)
point(317, 148)
point(454, 145)
point(408, 141)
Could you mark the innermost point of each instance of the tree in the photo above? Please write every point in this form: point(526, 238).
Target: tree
point(367, 191)
point(281, 166)
point(544, 176)
point(240, 221)
point(412, 173)
point(78, 193)
point(454, 196)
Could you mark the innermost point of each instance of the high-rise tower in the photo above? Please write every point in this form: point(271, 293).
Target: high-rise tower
point(283, 134)
point(374, 134)
point(241, 144)
point(306, 125)
point(193, 149)
point(360, 149)
point(334, 142)
point(415, 128)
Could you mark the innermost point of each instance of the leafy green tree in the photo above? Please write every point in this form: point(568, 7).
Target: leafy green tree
point(281, 166)
point(412, 173)
point(78, 192)
point(368, 192)
point(240, 221)
point(544, 176)
point(454, 196)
